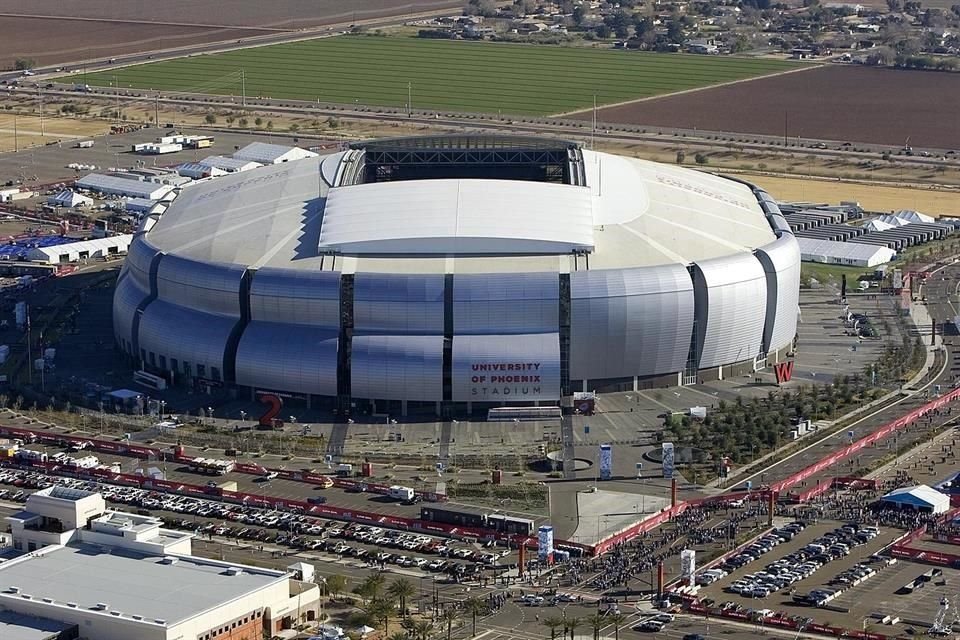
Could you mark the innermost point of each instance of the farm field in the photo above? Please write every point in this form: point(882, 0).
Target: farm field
point(104, 28)
point(440, 74)
point(838, 102)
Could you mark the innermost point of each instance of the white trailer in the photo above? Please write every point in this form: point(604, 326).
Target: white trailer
point(401, 493)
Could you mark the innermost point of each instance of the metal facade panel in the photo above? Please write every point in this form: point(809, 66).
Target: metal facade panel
point(127, 296)
point(783, 291)
point(288, 358)
point(398, 303)
point(137, 263)
point(296, 297)
point(506, 368)
point(211, 288)
point(185, 334)
point(736, 308)
point(630, 322)
point(397, 367)
point(512, 303)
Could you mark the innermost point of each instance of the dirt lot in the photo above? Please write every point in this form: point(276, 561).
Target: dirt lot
point(54, 129)
point(101, 28)
point(873, 197)
point(843, 103)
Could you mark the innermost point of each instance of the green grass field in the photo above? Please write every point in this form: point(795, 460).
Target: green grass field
point(443, 74)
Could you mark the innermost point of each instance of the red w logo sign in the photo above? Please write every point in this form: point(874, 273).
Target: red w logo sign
point(783, 371)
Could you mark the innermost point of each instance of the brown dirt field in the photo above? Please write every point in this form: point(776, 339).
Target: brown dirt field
point(87, 39)
point(873, 197)
point(838, 102)
point(28, 130)
point(53, 31)
point(287, 14)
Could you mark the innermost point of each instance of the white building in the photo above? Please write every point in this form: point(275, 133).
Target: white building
point(120, 576)
point(123, 186)
point(198, 170)
point(69, 199)
point(265, 153)
point(844, 253)
point(229, 165)
point(81, 249)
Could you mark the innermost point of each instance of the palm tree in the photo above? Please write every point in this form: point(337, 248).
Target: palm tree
point(376, 582)
point(474, 607)
point(380, 611)
point(571, 625)
point(553, 623)
point(618, 619)
point(449, 616)
point(596, 621)
point(401, 589)
point(422, 629)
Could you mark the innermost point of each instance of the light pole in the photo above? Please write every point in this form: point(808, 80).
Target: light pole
point(243, 417)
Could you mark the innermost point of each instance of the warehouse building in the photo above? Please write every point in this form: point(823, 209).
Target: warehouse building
point(109, 575)
point(844, 253)
point(229, 165)
point(116, 185)
point(79, 250)
point(265, 153)
point(198, 171)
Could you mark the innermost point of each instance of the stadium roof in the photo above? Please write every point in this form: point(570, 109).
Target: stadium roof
point(919, 497)
point(457, 217)
point(128, 582)
point(265, 153)
point(642, 214)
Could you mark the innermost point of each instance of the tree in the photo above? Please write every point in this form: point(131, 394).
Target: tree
point(22, 64)
point(603, 31)
point(210, 119)
point(596, 620)
point(422, 629)
point(242, 123)
point(399, 635)
point(269, 125)
point(553, 623)
point(572, 625)
point(448, 617)
point(701, 159)
point(681, 156)
point(618, 620)
point(579, 13)
point(401, 589)
point(258, 121)
point(474, 607)
point(336, 584)
point(380, 610)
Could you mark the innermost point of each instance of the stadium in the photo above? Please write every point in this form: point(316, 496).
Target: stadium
point(454, 274)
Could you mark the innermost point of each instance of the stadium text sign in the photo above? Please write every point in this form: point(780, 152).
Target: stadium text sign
point(497, 379)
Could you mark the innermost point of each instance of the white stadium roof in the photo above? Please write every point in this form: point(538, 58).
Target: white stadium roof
point(457, 217)
point(633, 213)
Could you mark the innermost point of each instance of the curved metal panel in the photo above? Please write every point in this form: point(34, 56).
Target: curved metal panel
point(297, 297)
point(736, 307)
point(397, 367)
point(137, 263)
point(203, 286)
point(506, 368)
point(288, 358)
point(126, 298)
point(510, 303)
point(185, 334)
point(398, 303)
point(781, 264)
point(630, 322)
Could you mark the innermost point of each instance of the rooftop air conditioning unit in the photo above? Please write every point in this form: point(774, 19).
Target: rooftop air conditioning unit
point(137, 617)
point(160, 621)
point(170, 560)
point(116, 613)
point(48, 600)
point(14, 589)
point(234, 571)
point(26, 596)
point(72, 605)
point(101, 606)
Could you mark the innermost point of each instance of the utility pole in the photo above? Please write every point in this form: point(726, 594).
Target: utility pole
point(156, 110)
point(40, 98)
point(593, 132)
point(409, 99)
point(116, 89)
point(243, 87)
point(16, 140)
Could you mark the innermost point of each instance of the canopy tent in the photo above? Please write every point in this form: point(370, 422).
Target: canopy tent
point(920, 497)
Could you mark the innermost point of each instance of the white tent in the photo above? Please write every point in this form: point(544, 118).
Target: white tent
point(909, 215)
point(920, 497)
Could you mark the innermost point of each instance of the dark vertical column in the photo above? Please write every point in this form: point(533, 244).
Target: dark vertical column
point(448, 339)
point(345, 345)
point(564, 324)
point(230, 350)
point(135, 325)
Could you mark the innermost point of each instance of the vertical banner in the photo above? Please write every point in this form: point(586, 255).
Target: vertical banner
point(606, 461)
point(688, 565)
point(666, 451)
point(545, 543)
